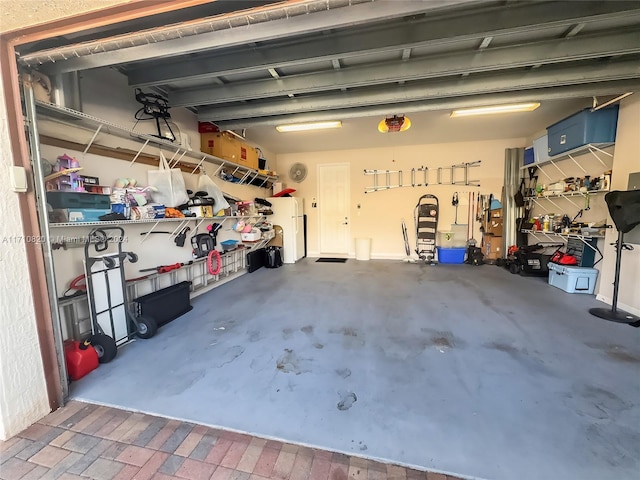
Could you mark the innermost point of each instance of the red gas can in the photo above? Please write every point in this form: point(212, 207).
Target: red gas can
point(81, 358)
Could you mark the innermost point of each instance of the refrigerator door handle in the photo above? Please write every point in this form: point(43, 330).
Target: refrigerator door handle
point(296, 216)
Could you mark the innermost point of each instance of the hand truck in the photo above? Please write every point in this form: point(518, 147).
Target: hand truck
point(112, 323)
point(425, 216)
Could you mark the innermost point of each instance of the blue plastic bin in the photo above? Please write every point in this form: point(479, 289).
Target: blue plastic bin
point(451, 255)
point(529, 156)
point(582, 128)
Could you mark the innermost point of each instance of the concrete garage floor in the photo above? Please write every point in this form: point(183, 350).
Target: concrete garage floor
point(464, 370)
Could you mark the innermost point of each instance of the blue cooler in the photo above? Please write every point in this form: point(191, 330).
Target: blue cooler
point(572, 279)
point(451, 255)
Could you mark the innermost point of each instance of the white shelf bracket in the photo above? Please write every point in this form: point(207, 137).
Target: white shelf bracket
point(215, 174)
point(245, 176)
point(180, 158)
point(546, 174)
point(180, 226)
point(579, 166)
point(593, 150)
point(198, 165)
point(149, 232)
point(172, 165)
point(139, 152)
point(86, 149)
point(200, 223)
point(568, 199)
point(554, 204)
point(564, 175)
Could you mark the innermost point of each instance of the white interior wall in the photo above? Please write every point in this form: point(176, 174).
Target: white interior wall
point(23, 394)
point(626, 161)
point(381, 213)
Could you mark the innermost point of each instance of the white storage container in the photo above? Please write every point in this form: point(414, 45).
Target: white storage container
point(446, 239)
point(541, 149)
point(253, 236)
point(572, 279)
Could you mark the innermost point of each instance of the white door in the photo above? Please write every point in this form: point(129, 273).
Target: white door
point(333, 205)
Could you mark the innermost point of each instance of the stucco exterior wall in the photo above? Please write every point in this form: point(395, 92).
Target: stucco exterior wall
point(23, 394)
point(23, 13)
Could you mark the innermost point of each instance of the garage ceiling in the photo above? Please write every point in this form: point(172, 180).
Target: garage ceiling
point(283, 62)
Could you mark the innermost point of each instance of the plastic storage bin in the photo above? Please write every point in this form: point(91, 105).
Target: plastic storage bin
point(446, 239)
point(529, 156)
point(166, 304)
point(572, 279)
point(582, 128)
point(78, 200)
point(451, 255)
point(541, 149)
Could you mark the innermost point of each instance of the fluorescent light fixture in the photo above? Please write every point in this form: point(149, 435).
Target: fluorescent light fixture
point(514, 107)
point(299, 127)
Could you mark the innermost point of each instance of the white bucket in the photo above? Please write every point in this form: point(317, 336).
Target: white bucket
point(363, 249)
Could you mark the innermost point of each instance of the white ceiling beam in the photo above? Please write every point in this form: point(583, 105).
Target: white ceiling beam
point(525, 17)
point(548, 52)
point(502, 82)
point(553, 93)
point(107, 52)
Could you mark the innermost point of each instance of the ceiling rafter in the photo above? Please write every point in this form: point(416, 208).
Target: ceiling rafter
point(389, 37)
point(510, 81)
point(242, 30)
point(547, 52)
point(553, 93)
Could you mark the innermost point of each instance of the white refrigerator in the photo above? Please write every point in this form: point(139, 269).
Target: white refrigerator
point(288, 213)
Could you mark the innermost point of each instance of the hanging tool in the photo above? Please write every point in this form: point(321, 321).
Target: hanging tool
point(454, 202)
point(152, 233)
point(578, 215)
point(181, 237)
point(586, 202)
point(166, 268)
point(471, 241)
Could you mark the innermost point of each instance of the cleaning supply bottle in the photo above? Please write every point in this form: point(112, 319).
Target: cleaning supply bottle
point(545, 224)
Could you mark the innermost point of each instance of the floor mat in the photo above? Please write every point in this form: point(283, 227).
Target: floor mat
point(331, 260)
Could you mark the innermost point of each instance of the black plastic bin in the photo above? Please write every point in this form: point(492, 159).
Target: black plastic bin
point(166, 304)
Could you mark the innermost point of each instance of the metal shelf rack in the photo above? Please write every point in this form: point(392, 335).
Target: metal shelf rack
point(564, 195)
point(67, 116)
point(593, 148)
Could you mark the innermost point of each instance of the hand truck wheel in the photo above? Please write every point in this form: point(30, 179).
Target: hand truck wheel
point(147, 327)
point(105, 347)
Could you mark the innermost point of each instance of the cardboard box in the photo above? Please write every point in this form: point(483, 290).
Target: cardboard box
point(202, 211)
point(494, 227)
point(492, 247)
point(227, 147)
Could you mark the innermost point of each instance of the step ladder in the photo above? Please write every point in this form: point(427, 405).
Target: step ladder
point(420, 177)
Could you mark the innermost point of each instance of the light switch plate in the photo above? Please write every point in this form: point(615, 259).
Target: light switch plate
point(18, 179)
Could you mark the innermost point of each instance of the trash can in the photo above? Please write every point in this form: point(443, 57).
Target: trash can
point(363, 249)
